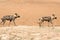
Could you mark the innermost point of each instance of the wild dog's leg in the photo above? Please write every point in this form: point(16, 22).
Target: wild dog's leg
point(10, 22)
point(48, 23)
point(51, 23)
point(14, 22)
point(0, 22)
point(3, 22)
point(40, 23)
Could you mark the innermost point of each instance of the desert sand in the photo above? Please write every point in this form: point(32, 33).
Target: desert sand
point(30, 10)
point(29, 33)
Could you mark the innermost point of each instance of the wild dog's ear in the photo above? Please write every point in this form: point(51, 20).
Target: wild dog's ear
point(53, 14)
point(16, 14)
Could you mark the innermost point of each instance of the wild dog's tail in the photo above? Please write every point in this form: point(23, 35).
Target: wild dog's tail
point(0, 20)
point(39, 19)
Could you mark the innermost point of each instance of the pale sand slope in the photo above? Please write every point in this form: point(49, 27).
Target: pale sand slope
point(30, 10)
point(29, 33)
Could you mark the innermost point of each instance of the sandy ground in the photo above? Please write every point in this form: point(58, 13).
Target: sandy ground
point(30, 10)
point(29, 33)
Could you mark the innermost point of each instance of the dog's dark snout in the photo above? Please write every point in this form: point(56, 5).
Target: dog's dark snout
point(18, 16)
point(55, 17)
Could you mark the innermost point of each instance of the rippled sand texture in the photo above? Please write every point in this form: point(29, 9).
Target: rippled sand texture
point(29, 33)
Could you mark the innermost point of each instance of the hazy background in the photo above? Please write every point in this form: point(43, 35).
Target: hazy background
point(30, 10)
